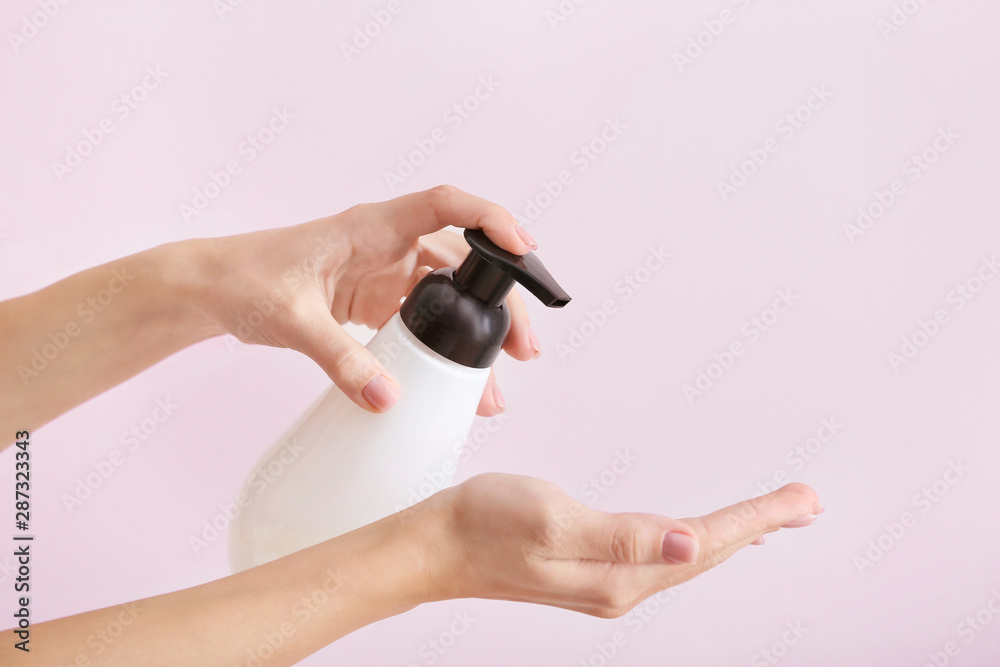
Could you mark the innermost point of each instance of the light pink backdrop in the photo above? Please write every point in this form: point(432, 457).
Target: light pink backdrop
point(885, 99)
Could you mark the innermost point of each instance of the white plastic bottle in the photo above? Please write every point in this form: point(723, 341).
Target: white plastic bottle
point(339, 467)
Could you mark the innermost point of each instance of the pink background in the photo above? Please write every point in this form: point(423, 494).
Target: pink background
point(655, 185)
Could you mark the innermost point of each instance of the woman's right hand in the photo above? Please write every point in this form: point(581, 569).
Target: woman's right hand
point(519, 538)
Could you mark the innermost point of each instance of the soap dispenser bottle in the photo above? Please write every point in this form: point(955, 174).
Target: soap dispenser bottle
point(340, 467)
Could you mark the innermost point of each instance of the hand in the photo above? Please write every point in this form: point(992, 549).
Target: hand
point(518, 538)
point(279, 287)
point(495, 536)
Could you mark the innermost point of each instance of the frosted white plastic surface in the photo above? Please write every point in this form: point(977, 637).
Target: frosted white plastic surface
point(339, 467)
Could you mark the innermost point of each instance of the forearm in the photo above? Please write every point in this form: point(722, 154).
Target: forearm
point(87, 333)
point(280, 612)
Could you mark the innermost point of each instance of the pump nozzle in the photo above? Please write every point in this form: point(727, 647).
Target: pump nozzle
point(461, 314)
point(489, 272)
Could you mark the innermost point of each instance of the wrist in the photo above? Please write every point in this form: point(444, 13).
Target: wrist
point(438, 556)
point(182, 273)
point(380, 570)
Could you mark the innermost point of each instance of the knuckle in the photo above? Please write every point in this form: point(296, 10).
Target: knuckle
point(744, 514)
point(553, 524)
point(442, 193)
point(497, 211)
point(348, 360)
point(359, 211)
point(800, 488)
point(801, 493)
point(612, 602)
point(712, 560)
point(754, 505)
point(550, 534)
point(293, 311)
point(620, 609)
point(626, 544)
point(295, 317)
point(548, 500)
point(477, 487)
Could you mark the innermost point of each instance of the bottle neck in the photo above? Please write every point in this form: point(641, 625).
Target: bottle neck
point(483, 280)
point(453, 322)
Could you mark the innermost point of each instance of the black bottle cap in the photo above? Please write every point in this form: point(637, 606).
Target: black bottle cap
point(461, 313)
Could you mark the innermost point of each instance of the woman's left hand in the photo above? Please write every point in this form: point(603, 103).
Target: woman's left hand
point(279, 287)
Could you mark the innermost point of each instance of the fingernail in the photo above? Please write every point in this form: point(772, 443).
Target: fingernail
point(759, 541)
point(536, 347)
point(802, 521)
point(679, 548)
point(526, 236)
point(818, 509)
point(498, 397)
point(381, 393)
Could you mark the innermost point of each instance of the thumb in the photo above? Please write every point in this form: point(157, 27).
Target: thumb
point(352, 368)
point(635, 538)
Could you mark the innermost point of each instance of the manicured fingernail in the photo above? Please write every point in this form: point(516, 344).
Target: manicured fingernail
point(526, 236)
point(381, 393)
point(536, 347)
point(802, 521)
point(498, 397)
point(679, 548)
point(818, 509)
point(759, 541)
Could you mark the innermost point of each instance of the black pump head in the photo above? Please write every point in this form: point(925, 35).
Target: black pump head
point(489, 272)
point(461, 314)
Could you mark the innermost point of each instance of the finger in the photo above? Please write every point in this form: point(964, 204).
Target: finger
point(631, 538)
point(724, 532)
point(521, 342)
point(421, 213)
point(351, 367)
point(378, 296)
point(442, 249)
point(417, 275)
point(491, 403)
point(374, 299)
